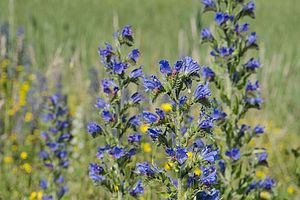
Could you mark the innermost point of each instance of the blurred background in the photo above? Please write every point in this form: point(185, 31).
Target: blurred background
point(62, 38)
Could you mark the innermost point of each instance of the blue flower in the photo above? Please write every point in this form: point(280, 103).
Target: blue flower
point(62, 191)
point(213, 195)
point(209, 4)
point(182, 100)
point(61, 154)
point(138, 189)
point(101, 151)
point(208, 73)
point(252, 64)
point(198, 144)
point(47, 197)
point(267, 183)
point(134, 120)
point(152, 83)
point(43, 184)
point(106, 54)
point(134, 138)
point(240, 29)
point(209, 155)
point(144, 169)
point(170, 152)
point(259, 129)
point(224, 51)
point(160, 113)
point(262, 157)
point(150, 117)
point(43, 154)
point(189, 66)
point(251, 39)
point(52, 145)
point(133, 55)
point(221, 164)
point(153, 133)
point(100, 103)
point(221, 18)
point(206, 34)
point(252, 87)
point(117, 152)
point(136, 97)
point(209, 175)
point(107, 116)
point(206, 124)
point(202, 92)
point(119, 67)
point(109, 86)
point(177, 66)
point(127, 32)
point(234, 154)
point(165, 67)
point(94, 129)
point(136, 73)
point(181, 155)
point(95, 172)
point(250, 7)
point(218, 114)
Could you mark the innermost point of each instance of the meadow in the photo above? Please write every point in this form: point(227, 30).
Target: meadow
point(62, 37)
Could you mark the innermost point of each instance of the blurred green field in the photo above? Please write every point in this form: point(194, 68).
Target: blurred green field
point(63, 35)
point(78, 27)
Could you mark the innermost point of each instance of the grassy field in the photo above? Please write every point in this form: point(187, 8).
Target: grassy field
point(64, 35)
point(66, 28)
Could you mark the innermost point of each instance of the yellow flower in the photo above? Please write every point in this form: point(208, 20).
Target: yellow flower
point(13, 137)
point(24, 155)
point(14, 148)
point(190, 155)
point(19, 68)
point(32, 77)
point(260, 174)
point(40, 195)
point(142, 198)
point(146, 147)
point(116, 188)
point(8, 159)
point(144, 128)
point(27, 167)
point(167, 107)
point(168, 166)
point(265, 195)
point(197, 172)
point(33, 196)
point(28, 117)
point(291, 190)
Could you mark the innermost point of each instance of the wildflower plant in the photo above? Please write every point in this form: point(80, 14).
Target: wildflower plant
point(190, 170)
point(55, 150)
point(118, 124)
point(232, 45)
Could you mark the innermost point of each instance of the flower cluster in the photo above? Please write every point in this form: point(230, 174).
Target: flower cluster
point(117, 124)
point(234, 66)
point(55, 152)
point(190, 169)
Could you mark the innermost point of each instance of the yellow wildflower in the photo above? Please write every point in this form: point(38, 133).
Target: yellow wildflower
point(144, 128)
point(33, 196)
point(13, 137)
point(190, 155)
point(24, 155)
point(19, 68)
point(146, 147)
point(265, 195)
point(116, 188)
point(14, 148)
point(142, 198)
point(167, 107)
point(40, 195)
point(291, 190)
point(8, 159)
point(27, 167)
point(28, 117)
point(197, 172)
point(260, 174)
point(32, 77)
point(168, 166)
